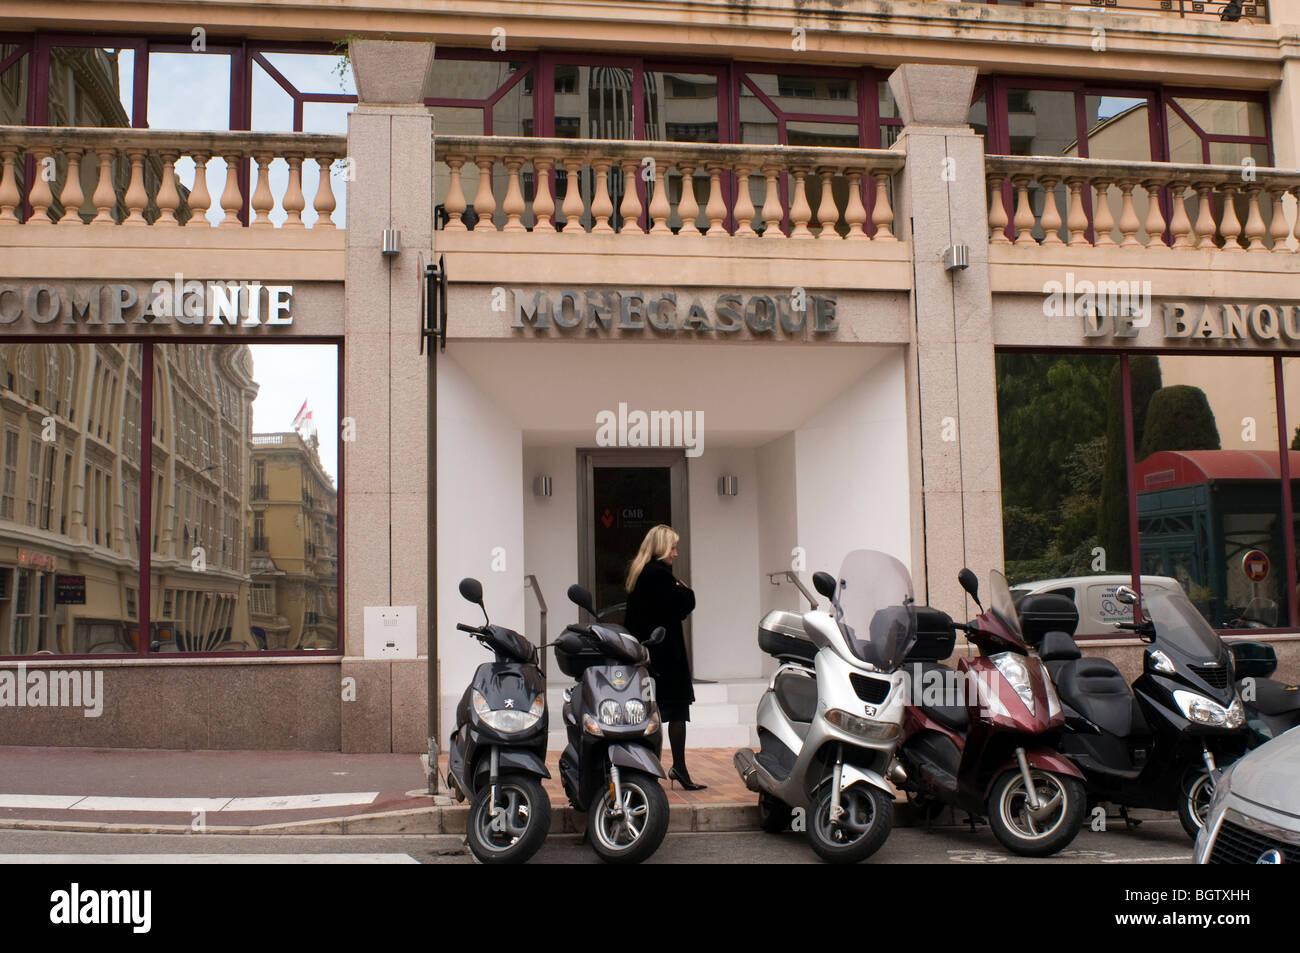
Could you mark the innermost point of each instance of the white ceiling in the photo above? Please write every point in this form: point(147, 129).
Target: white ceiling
point(750, 393)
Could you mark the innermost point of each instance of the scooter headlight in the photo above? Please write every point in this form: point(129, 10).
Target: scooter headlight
point(508, 721)
point(611, 713)
point(1053, 700)
point(1014, 670)
point(862, 727)
point(1160, 661)
point(1206, 711)
point(635, 712)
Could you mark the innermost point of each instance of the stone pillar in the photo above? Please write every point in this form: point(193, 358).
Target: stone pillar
point(952, 396)
point(390, 145)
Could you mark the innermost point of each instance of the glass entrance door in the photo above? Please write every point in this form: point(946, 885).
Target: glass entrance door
point(622, 494)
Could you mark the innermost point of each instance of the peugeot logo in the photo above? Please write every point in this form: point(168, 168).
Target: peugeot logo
point(1270, 857)
point(510, 703)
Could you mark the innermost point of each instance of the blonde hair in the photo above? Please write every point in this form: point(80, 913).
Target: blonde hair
point(658, 543)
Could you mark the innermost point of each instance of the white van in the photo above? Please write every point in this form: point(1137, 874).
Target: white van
point(1094, 597)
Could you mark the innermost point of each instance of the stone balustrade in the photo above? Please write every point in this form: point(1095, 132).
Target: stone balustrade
point(90, 176)
point(634, 188)
point(1100, 203)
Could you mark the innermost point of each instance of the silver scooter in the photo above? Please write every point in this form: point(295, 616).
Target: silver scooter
point(832, 715)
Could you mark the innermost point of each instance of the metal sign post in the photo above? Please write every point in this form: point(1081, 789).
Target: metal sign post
point(433, 306)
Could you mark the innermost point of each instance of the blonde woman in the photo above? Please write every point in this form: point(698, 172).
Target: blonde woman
point(657, 598)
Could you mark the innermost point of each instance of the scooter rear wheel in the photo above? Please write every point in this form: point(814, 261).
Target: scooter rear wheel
point(1062, 805)
point(634, 834)
point(862, 829)
point(520, 826)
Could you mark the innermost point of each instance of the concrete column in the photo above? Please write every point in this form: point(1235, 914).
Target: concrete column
point(390, 143)
point(940, 201)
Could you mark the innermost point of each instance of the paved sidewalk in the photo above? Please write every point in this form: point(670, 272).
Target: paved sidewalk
point(308, 792)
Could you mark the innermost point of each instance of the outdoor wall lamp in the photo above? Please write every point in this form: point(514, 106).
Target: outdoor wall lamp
point(728, 486)
point(541, 486)
point(392, 242)
point(956, 257)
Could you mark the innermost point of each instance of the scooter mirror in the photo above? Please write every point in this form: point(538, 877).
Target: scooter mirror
point(824, 583)
point(581, 598)
point(472, 590)
point(970, 582)
point(1126, 595)
point(656, 636)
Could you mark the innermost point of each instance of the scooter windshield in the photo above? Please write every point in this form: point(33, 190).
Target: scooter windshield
point(1001, 603)
point(1179, 624)
point(877, 611)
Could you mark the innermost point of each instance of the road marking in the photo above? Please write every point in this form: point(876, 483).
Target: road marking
point(41, 801)
point(1145, 860)
point(185, 805)
point(298, 802)
point(207, 859)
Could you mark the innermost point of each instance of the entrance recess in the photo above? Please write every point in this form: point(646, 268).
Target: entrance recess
point(621, 494)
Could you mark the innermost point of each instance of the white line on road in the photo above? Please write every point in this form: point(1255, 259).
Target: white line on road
point(1145, 860)
point(207, 859)
point(185, 805)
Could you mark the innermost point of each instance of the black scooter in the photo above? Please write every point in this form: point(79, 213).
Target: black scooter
point(1160, 744)
point(498, 750)
point(610, 768)
point(1272, 707)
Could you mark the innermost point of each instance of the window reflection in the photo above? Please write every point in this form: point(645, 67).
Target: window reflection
point(69, 498)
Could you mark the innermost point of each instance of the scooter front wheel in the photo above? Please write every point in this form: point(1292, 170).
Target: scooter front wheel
point(1041, 831)
point(867, 816)
point(516, 830)
point(1194, 796)
point(629, 835)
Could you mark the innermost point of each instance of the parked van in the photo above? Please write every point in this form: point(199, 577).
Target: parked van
point(1094, 596)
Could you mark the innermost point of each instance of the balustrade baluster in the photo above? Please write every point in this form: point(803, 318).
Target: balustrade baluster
point(1255, 230)
point(454, 204)
point(1180, 226)
point(513, 205)
point(855, 213)
point(136, 197)
point(772, 209)
point(1205, 228)
point(716, 210)
point(800, 213)
point(543, 201)
point(882, 216)
point(1230, 226)
point(73, 196)
point(1103, 223)
point(485, 203)
point(688, 209)
point(997, 211)
point(630, 207)
point(573, 196)
point(1278, 229)
point(1155, 223)
point(105, 197)
point(828, 212)
point(1024, 220)
point(660, 209)
point(1051, 211)
point(294, 201)
point(169, 199)
point(744, 210)
point(39, 195)
point(9, 194)
point(263, 202)
point(1076, 217)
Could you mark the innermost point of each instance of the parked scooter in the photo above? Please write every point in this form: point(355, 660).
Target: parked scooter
point(983, 737)
point(498, 750)
point(611, 768)
point(1161, 744)
point(832, 715)
point(1272, 707)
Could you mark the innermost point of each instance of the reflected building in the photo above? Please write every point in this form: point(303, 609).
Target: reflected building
point(294, 561)
point(70, 497)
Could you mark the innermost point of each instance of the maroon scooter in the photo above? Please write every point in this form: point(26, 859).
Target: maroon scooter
point(982, 737)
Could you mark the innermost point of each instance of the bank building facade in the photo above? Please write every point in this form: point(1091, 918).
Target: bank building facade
point(307, 311)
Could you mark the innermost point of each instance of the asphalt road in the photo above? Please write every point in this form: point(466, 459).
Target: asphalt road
point(1154, 842)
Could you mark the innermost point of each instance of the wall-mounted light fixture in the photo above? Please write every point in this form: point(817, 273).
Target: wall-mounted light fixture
point(541, 486)
point(728, 486)
point(392, 242)
point(956, 257)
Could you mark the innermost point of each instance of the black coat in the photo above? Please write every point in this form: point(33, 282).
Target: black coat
point(659, 599)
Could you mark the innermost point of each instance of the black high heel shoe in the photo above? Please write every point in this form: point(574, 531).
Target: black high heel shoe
point(684, 779)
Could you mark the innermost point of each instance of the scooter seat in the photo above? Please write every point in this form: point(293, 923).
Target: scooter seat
point(1095, 689)
point(1275, 698)
point(935, 689)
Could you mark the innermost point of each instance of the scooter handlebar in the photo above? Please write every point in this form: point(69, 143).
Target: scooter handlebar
point(468, 628)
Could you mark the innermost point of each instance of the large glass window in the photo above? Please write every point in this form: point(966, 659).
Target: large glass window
point(69, 529)
point(1205, 485)
point(242, 502)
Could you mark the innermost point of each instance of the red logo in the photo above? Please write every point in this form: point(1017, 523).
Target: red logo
point(607, 518)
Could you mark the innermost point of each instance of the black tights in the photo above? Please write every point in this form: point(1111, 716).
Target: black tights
point(677, 740)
